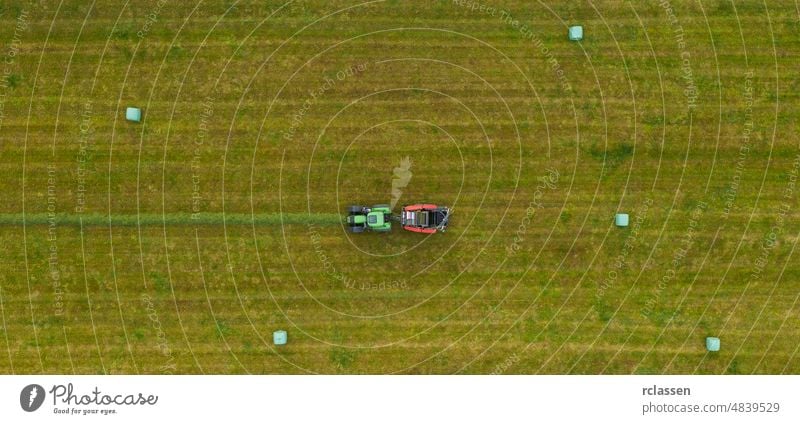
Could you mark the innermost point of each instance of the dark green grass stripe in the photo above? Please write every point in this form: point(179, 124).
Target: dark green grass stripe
point(151, 219)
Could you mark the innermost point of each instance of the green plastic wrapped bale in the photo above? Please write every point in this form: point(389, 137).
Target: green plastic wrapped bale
point(133, 114)
point(576, 33)
point(280, 337)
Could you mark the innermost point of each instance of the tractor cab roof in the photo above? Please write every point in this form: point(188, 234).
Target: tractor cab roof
point(375, 218)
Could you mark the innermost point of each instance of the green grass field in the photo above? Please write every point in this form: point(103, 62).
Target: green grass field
point(179, 244)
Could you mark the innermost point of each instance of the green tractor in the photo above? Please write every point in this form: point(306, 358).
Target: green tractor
point(362, 218)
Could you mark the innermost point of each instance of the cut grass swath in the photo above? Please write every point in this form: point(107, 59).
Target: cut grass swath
point(151, 219)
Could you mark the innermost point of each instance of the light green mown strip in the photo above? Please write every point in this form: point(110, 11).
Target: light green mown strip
point(149, 219)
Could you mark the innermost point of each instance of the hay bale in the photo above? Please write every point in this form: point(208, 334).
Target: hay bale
point(712, 344)
point(133, 114)
point(621, 220)
point(576, 33)
point(280, 337)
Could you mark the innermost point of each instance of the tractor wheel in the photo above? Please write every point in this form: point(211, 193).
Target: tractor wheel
point(357, 229)
point(354, 209)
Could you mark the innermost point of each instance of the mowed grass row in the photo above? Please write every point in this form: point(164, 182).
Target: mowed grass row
point(200, 293)
point(199, 218)
point(218, 296)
